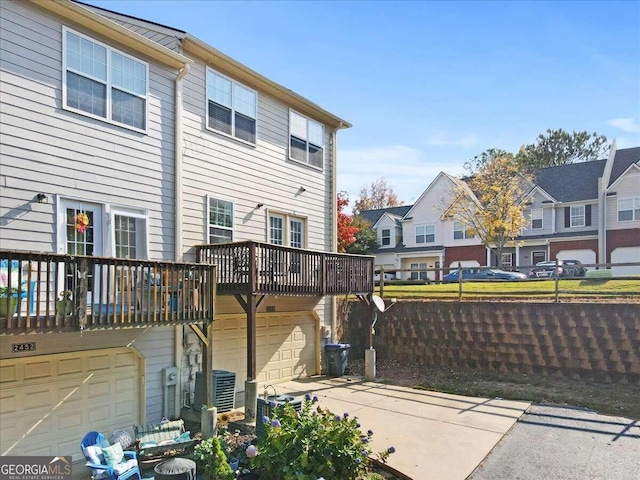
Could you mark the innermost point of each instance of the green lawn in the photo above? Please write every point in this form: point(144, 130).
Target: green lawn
point(596, 287)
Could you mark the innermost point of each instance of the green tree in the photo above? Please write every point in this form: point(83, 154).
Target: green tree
point(378, 195)
point(558, 147)
point(366, 239)
point(490, 203)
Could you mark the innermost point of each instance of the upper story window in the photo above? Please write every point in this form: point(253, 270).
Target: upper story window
point(220, 218)
point(306, 140)
point(536, 218)
point(460, 233)
point(104, 83)
point(231, 107)
point(628, 209)
point(425, 234)
point(386, 236)
point(577, 216)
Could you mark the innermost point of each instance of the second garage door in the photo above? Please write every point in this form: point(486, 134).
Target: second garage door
point(285, 346)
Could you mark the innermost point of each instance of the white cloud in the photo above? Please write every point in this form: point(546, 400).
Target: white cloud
point(625, 124)
point(441, 140)
point(406, 170)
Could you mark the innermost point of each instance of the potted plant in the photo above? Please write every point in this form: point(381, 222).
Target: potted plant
point(9, 298)
point(64, 304)
point(212, 461)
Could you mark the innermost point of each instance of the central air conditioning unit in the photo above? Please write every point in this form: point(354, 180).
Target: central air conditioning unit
point(265, 407)
point(224, 391)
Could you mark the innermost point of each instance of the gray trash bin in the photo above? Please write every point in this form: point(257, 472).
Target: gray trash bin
point(337, 354)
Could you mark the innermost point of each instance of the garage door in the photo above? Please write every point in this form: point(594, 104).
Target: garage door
point(285, 347)
point(49, 402)
point(464, 263)
point(586, 256)
point(626, 255)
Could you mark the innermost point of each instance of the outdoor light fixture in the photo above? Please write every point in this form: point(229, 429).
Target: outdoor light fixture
point(302, 189)
point(260, 205)
point(42, 198)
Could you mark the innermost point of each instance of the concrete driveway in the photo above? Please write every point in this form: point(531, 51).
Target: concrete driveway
point(436, 435)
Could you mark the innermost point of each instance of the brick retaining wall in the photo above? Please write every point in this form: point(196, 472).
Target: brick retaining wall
point(577, 340)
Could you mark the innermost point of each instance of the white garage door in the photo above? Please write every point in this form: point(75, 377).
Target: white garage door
point(285, 347)
point(464, 263)
point(626, 255)
point(586, 256)
point(49, 402)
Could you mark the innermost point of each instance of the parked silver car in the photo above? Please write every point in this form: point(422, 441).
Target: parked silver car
point(566, 268)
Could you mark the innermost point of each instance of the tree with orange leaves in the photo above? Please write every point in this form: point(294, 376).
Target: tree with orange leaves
point(346, 230)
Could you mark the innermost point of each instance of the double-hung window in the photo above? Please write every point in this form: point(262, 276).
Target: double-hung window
point(220, 217)
point(104, 83)
point(577, 216)
point(418, 271)
point(628, 209)
point(425, 234)
point(386, 236)
point(231, 107)
point(536, 218)
point(460, 232)
point(306, 140)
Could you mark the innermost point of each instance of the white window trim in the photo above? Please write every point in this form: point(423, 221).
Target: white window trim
point(635, 200)
point(382, 237)
point(541, 211)
point(463, 229)
point(323, 146)
point(584, 215)
point(108, 84)
point(133, 213)
point(503, 263)
point(426, 225)
point(208, 223)
point(233, 109)
point(286, 227)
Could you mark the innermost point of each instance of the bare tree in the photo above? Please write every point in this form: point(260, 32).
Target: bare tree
point(378, 195)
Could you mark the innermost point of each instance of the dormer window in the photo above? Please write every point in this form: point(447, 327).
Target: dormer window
point(536, 218)
point(386, 237)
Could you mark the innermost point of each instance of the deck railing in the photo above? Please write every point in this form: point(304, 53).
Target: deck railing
point(261, 268)
point(42, 292)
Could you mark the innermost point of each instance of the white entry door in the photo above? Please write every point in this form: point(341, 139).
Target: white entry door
point(75, 241)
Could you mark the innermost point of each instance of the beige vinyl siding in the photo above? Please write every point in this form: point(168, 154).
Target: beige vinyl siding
point(560, 228)
point(247, 175)
point(48, 149)
point(547, 217)
point(627, 187)
point(427, 211)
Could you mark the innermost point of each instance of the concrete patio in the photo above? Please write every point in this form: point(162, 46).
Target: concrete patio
point(436, 435)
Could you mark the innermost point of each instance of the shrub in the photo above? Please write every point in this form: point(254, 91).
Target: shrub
point(212, 461)
point(310, 444)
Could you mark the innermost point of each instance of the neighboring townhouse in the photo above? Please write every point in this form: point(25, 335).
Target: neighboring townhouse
point(585, 211)
point(132, 154)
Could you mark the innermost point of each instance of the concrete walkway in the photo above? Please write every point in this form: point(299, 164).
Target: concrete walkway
point(436, 435)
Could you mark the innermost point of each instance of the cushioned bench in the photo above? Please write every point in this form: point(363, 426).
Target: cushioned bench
point(156, 439)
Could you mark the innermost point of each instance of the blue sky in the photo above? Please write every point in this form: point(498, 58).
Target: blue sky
point(428, 85)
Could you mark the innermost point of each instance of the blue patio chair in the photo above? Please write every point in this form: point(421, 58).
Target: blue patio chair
point(92, 447)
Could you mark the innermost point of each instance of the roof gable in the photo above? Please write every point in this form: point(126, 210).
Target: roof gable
point(439, 178)
point(625, 159)
point(373, 216)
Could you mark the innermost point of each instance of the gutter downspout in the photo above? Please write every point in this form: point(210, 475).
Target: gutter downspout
point(177, 228)
point(334, 227)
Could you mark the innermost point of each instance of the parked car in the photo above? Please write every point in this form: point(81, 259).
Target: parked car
point(566, 268)
point(483, 273)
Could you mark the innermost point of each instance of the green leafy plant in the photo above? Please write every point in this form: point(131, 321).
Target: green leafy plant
point(310, 444)
point(212, 461)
